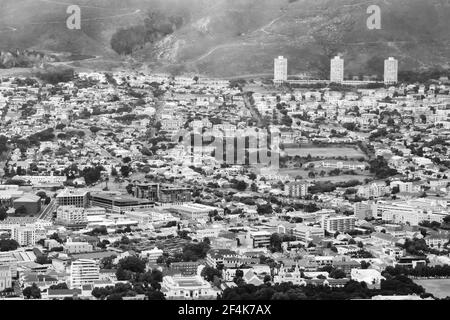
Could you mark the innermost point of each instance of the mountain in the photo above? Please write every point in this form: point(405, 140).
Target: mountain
point(240, 37)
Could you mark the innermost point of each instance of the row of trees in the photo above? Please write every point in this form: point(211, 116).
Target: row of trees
point(398, 285)
point(8, 245)
point(419, 271)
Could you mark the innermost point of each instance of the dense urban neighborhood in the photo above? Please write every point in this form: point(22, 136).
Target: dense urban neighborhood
point(132, 185)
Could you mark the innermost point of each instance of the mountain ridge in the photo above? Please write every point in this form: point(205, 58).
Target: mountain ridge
point(237, 37)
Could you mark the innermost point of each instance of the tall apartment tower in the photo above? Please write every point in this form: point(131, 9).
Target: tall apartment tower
point(280, 73)
point(390, 71)
point(337, 70)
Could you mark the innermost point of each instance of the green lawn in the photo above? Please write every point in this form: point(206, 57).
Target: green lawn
point(440, 288)
point(328, 152)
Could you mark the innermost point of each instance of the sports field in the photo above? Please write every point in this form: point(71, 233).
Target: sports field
point(440, 288)
point(328, 152)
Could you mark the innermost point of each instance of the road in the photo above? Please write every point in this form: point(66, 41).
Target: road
point(47, 213)
point(253, 110)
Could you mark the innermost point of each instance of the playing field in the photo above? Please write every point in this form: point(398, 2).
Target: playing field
point(440, 288)
point(328, 152)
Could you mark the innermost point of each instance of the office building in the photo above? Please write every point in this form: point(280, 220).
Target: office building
point(306, 233)
point(71, 216)
point(260, 238)
point(162, 194)
point(280, 70)
point(30, 204)
point(73, 197)
point(118, 203)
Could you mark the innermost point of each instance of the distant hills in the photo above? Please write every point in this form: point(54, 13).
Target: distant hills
point(237, 37)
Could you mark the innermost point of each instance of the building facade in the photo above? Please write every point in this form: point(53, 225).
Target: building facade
point(280, 73)
point(390, 71)
point(337, 70)
point(83, 271)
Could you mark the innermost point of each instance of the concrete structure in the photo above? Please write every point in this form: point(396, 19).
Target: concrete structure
point(338, 223)
point(187, 288)
point(296, 189)
point(77, 247)
point(71, 216)
point(118, 203)
point(152, 255)
point(195, 211)
point(260, 238)
point(73, 197)
point(306, 233)
point(390, 71)
point(5, 277)
point(280, 73)
point(337, 70)
point(83, 271)
point(31, 203)
point(363, 210)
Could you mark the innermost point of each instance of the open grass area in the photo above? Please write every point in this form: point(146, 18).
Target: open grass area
point(328, 152)
point(440, 288)
point(304, 174)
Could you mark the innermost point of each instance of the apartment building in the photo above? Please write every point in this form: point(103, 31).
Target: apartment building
point(338, 223)
point(83, 271)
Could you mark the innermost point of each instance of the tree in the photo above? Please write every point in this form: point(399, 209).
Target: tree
point(239, 273)
point(3, 213)
point(365, 265)
point(32, 292)
point(126, 160)
point(155, 295)
point(94, 129)
point(8, 245)
point(125, 171)
point(107, 262)
point(275, 242)
point(128, 266)
point(209, 273)
point(241, 185)
point(59, 286)
point(195, 251)
point(337, 274)
point(92, 174)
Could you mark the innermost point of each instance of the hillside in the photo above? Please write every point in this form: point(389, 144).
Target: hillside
point(241, 37)
point(308, 33)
